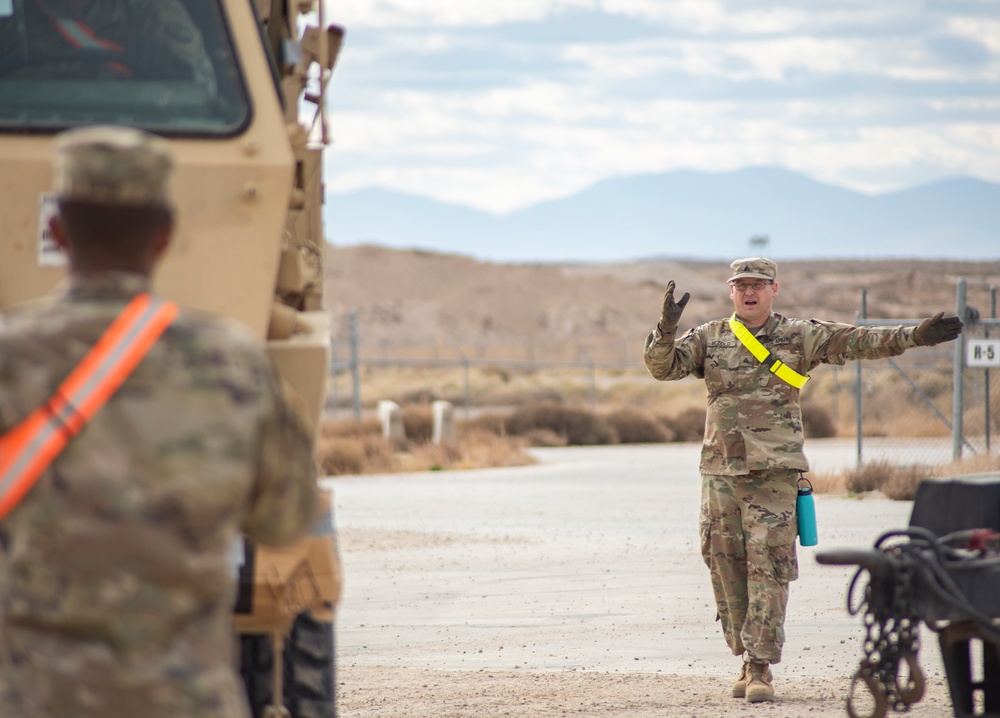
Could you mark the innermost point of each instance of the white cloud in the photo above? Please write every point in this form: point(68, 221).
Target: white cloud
point(848, 92)
point(445, 13)
point(985, 31)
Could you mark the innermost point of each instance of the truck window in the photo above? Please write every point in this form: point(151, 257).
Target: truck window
point(167, 66)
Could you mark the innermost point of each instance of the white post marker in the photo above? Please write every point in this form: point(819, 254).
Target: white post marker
point(444, 422)
point(391, 417)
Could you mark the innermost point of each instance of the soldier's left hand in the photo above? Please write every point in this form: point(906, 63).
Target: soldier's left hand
point(937, 329)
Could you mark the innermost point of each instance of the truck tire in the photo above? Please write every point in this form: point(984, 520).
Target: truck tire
point(308, 669)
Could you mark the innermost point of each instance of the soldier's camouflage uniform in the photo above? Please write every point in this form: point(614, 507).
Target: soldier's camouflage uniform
point(116, 587)
point(146, 39)
point(752, 455)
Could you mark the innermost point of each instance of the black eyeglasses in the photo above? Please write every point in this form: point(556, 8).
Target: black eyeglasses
point(756, 286)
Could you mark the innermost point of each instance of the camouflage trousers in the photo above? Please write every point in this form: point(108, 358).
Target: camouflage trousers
point(748, 542)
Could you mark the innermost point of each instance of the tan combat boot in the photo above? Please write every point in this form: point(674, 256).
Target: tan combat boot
point(759, 688)
point(740, 686)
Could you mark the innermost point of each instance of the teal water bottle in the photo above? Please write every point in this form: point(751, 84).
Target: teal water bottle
point(805, 510)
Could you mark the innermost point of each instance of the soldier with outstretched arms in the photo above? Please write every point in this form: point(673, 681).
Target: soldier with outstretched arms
point(754, 365)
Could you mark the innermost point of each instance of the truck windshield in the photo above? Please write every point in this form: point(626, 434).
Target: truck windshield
point(167, 66)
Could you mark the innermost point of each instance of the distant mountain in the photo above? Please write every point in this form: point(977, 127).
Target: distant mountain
point(689, 214)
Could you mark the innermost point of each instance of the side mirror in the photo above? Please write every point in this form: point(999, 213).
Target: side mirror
point(311, 41)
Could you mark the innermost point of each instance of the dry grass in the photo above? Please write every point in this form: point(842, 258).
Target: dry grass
point(898, 482)
point(828, 482)
point(347, 447)
point(637, 427)
point(418, 423)
point(687, 425)
point(817, 421)
point(579, 426)
point(475, 450)
point(363, 454)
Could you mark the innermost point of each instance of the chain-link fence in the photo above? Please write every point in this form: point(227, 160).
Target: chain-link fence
point(933, 394)
point(905, 410)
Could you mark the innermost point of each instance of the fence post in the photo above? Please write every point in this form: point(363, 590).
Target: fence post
point(334, 384)
point(355, 366)
point(859, 388)
point(958, 398)
point(993, 315)
point(593, 376)
point(465, 379)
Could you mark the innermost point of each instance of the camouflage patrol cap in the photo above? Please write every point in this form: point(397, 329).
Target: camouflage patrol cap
point(754, 268)
point(112, 165)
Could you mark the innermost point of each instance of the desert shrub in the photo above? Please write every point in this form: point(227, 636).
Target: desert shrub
point(427, 456)
point(636, 427)
point(515, 396)
point(421, 395)
point(817, 422)
point(418, 422)
point(688, 425)
point(868, 477)
point(339, 455)
point(481, 449)
point(368, 426)
point(579, 426)
point(544, 437)
point(828, 482)
point(491, 421)
point(977, 464)
point(902, 483)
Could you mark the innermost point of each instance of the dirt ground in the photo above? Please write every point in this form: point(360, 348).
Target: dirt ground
point(575, 588)
point(391, 692)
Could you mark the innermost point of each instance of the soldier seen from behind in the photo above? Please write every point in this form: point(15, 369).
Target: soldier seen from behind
point(116, 580)
point(752, 454)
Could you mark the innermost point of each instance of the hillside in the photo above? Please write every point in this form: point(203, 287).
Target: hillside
point(425, 304)
point(688, 214)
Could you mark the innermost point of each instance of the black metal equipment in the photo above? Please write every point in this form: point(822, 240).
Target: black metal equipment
point(944, 571)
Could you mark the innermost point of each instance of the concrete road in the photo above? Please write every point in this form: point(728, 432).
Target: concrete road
point(587, 561)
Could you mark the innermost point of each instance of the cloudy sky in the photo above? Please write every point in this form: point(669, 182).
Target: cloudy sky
point(499, 104)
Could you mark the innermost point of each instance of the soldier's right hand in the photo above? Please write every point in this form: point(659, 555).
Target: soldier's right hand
point(670, 313)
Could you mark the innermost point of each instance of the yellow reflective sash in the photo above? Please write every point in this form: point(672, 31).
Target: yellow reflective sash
point(761, 354)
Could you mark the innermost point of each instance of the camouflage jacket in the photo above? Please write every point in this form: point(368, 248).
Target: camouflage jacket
point(116, 588)
point(754, 421)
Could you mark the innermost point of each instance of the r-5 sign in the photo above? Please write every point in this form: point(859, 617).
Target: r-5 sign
point(982, 352)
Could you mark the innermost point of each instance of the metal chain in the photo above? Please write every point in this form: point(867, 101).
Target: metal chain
point(892, 622)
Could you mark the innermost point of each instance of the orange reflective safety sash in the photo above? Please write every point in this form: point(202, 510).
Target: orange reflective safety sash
point(761, 354)
point(28, 448)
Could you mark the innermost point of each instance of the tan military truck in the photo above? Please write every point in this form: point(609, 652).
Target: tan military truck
point(238, 88)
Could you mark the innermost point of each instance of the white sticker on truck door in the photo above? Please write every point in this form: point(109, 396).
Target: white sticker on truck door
point(49, 253)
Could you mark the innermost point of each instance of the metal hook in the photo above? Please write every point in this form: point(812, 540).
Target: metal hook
point(865, 673)
point(914, 690)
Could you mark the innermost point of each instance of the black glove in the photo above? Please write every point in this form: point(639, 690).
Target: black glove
point(670, 314)
point(937, 329)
